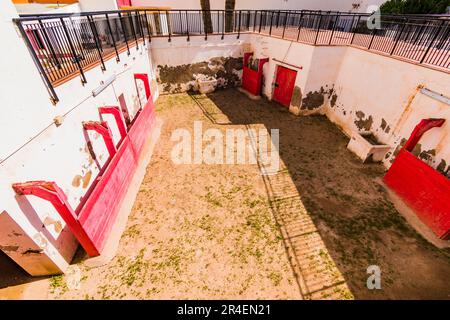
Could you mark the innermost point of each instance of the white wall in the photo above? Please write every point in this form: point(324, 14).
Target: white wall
point(336, 5)
point(98, 5)
point(34, 148)
point(179, 51)
point(306, 59)
point(35, 8)
point(386, 88)
point(287, 51)
point(173, 4)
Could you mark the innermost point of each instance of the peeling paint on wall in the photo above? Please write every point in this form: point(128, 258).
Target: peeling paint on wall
point(86, 178)
point(363, 123)
point(57, 225)
point(386, 128)
point(443, 168)
point(427, 155)
point(313, 99)
point(226, 70)
point(32, 251)
point(316, 99)
point(333, 100)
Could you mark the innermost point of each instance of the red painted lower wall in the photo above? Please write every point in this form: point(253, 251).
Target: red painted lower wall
point(424, 189)
point(100, 211)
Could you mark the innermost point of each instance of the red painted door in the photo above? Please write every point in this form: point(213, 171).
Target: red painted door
point(284, 85)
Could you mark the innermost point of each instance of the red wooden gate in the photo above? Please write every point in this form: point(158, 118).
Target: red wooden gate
point(284, 85)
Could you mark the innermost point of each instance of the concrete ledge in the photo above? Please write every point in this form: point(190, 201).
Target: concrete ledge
point(112, 244)
point(364, 149)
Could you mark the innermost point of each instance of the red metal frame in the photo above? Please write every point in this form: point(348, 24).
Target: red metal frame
point(423, 188)
point(51, 192)
point(102, 128)
point(419, 130)
point(92, 221)
point(144, 78)
point(118, 115)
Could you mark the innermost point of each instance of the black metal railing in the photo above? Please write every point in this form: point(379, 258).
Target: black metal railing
point(64, 45)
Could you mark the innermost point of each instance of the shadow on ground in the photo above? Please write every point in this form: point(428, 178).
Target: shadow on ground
point(346, 200)
point(12, 274)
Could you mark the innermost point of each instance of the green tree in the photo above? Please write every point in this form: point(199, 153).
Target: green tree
point(415, 6)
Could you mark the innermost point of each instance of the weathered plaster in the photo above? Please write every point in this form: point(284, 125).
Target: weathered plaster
point(226, 70)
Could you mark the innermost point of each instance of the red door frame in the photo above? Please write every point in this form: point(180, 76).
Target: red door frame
point(284, 85)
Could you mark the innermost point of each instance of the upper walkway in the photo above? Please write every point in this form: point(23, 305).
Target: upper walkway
point(66, 45)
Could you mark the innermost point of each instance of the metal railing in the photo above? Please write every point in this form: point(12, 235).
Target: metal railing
point(64, 45)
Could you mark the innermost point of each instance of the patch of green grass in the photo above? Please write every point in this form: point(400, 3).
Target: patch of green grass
point(58, 284)
point(131, 232)
point(134, 269)
point(276, 278)
point(213, 200)
point(252, 203)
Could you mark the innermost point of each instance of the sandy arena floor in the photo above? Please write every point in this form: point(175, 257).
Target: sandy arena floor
point(310, 231)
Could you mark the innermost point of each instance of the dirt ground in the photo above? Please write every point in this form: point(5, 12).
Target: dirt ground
point(310, 231)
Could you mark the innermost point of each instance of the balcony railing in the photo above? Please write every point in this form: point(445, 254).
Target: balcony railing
point(66, 45)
